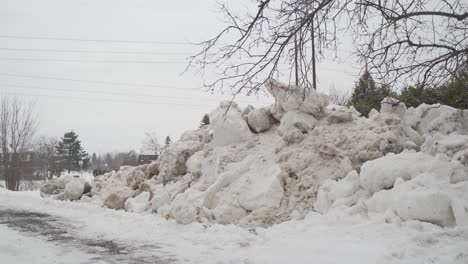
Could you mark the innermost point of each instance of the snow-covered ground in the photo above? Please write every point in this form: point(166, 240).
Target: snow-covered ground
point(332, 238)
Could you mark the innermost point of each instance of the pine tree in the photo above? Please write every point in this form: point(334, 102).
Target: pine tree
point(108, 160)
point(69, 152)
point(205, 120)
point(167, 141)
point(368, 95)
point(94, 161)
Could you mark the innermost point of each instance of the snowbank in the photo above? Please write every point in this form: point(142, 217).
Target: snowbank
point(259, 167)
point(410, 185)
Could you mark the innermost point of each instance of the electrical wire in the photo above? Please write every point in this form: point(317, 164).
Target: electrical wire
point(94, 92)
point(99, 82)
point(98, 40)
point(95, 51)
point(90, 99)
point(91, 61)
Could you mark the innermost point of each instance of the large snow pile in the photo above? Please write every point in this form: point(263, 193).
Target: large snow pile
point(258, 167)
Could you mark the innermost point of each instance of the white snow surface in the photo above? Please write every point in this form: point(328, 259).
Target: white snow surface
point(337, 237)
point(313, 158)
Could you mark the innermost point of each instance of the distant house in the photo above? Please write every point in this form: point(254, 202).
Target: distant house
point(146, 159)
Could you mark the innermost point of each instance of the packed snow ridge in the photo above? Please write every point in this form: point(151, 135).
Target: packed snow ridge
point(258, 167)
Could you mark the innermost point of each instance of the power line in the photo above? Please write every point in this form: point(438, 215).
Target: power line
point(98, 40)
point(109, 92)
point(100, 82)
point(149, 96)
point(108, 100)
point(93, 51)
point(91, 99)
point(91, 61)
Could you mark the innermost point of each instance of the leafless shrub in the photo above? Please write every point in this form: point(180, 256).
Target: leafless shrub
point(151, 144)
point(338, 97)
point(17, 128)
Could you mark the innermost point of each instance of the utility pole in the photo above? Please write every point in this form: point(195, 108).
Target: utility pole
point(296, 60)
point(314, 73)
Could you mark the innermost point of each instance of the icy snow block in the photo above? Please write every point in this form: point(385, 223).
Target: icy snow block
point(331, 191)
point(293, 98)
point(373, 112)
point(429, 119)
point(338, 114)
point(134, 178)
point(276, 111)
point(228, 125)
point(137, 204)
point(116, 200)
point(427, 206)
point(392, 106)
point(259, 120)
point(261, 188)
point(183, 211)
point(52, 187)
point(296, 120)
point(74, 189)
point(293, 136)
point(381, 173)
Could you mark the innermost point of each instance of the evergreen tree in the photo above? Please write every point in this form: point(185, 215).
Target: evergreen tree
point(167, 141)
point(94, 161)
point(108, 160)
point(454, 93)
point(205, 120)
point(69, 152)
point(367, 94)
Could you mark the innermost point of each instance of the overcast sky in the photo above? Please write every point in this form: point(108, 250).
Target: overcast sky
point(129, 82)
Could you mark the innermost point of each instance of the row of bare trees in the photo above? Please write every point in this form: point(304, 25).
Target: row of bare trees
point(18, 126)
point(419, 41)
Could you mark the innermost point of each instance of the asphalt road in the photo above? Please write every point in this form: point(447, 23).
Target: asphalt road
point(64, 233)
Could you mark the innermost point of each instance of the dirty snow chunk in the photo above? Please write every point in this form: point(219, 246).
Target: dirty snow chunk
point(331, 191)
point(293, 136)
point(74, 189)
point(445, 144)
point(296, 120)
point(251, 184)
point(137, 204)
point(293, 98)
point(247, 110)
point(373, 112)
point(381, 173)
point(259, 120)
point(182, 211)
point(260, 188)
point(430, 119)
point(228, 125)
point(53, 187)
point(338, 114)
point(172, 162)
point(392, 106)
point(134, 176)
point(116, 200)
point(460, 212)
point(428, 206)
point(165, 194)
point(413, 135)
point(276, 111)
